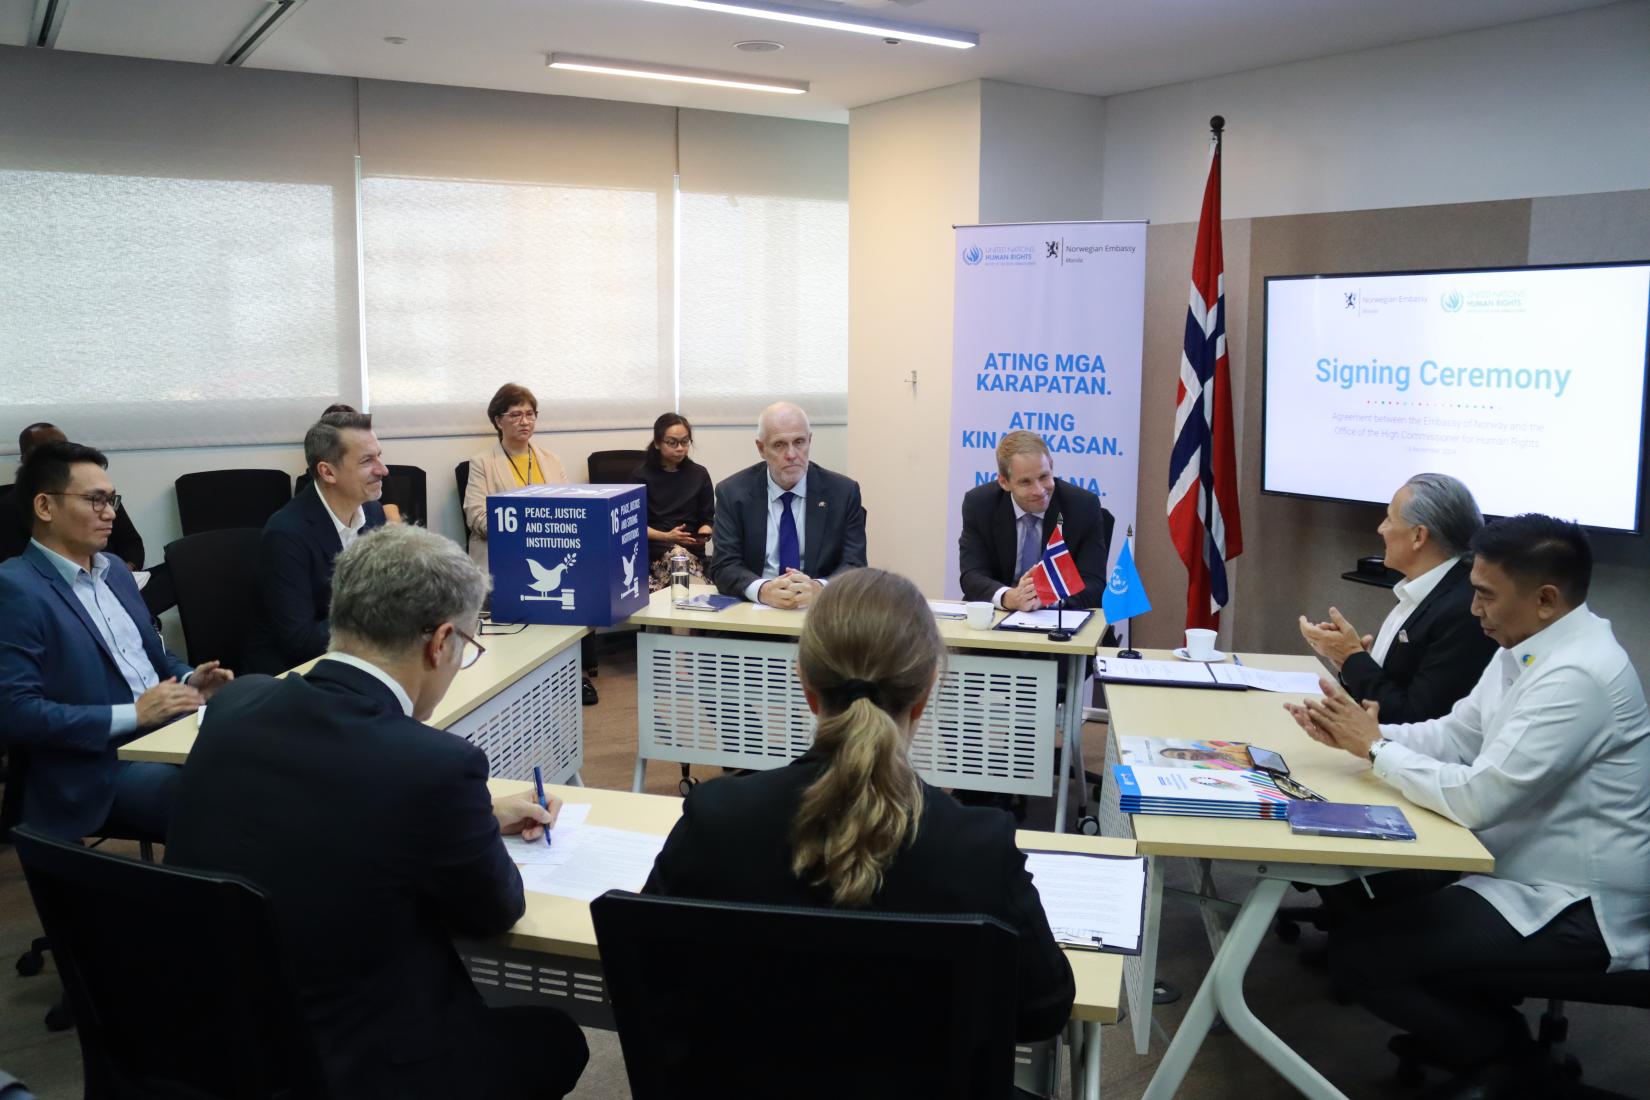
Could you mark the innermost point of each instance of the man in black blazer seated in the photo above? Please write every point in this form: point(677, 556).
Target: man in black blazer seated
point(299, 543)
point(1430, 650)
point(785, 526)
point(1007, 523)
point(375, 836)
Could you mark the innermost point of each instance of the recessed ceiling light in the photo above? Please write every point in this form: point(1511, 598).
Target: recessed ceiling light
point(807, 17)
point(758, 45)
point(647, 71)
point(395, 40)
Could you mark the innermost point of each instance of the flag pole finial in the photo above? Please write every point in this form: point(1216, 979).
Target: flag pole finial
point(1217, 124)
point(1131, 531)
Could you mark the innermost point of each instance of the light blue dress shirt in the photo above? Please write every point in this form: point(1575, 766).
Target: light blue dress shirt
point(119, 632)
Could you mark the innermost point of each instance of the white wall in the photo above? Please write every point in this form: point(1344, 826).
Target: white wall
point(913, 172)
point(1040, 154)
point(1551, 106)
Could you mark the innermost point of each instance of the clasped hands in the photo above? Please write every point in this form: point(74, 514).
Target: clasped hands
point(1335, 640)
point(166, 700)
point(681, 536)
point(1023, 596)
point(790, 590)
point(1337, 721)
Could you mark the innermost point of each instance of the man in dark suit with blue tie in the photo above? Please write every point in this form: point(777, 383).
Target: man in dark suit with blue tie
point(81, 667)
point(786, 525)
point(301, 541)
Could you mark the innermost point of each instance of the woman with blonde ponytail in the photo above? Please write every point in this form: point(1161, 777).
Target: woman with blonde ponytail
point(850, 823)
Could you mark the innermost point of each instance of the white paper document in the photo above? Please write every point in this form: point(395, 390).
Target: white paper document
point(1124, 670)
point(1091, 901)
point(1301, 683)
point(1071, 619)
point(601, 859)
point(564, 837)
point(948, 609)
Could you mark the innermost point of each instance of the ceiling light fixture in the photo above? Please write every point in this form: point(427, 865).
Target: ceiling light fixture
point(807, 17)
point(614, 67)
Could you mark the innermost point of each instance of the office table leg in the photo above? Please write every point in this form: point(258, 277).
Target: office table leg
point(1222, 993)
point(641, 774)
point(1070, 736)
point(1091, 1060)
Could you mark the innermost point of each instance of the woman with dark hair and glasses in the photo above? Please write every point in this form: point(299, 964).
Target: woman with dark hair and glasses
point(512, 462)
point(681, 502)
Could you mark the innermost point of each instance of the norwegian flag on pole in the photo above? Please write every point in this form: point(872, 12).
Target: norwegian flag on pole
point(1203, 502)
point(1056, 575)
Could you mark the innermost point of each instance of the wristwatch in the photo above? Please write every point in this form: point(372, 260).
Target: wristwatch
point(1376, 747)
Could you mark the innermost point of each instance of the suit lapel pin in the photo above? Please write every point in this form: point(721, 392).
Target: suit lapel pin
point(1403, 636)
point(821, 504)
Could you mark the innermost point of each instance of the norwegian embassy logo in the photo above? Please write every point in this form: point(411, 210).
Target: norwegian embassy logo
point(1450, 301)
point(972, 255)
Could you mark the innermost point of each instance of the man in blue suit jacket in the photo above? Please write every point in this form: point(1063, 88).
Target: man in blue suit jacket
point(301, 541)
point(785, 526)
point(81, 667)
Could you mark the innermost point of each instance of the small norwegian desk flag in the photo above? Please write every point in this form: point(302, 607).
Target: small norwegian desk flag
point(1056, 575)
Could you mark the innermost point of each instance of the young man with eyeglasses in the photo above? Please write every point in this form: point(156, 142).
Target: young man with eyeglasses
point(81, 667)
point(376, 838)
point(124, 541)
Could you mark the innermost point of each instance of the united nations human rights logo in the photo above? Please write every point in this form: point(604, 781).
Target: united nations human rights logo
point(972, 255)
point(1450, 301)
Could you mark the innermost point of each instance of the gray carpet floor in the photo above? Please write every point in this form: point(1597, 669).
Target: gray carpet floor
point(1344, 1043)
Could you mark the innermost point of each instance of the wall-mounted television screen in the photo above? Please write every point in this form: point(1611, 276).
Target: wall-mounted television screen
point(1526, 383)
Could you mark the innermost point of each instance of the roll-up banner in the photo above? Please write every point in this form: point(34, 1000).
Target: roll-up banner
point(1047, 337)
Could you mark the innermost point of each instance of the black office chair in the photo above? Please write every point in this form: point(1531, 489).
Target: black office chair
point(461, 475)
point(1629, 988)
point(612, 467)
point(905, 1005)
point(59, 1017)
point(215, 576)
point(212, 500)
point(179, 979)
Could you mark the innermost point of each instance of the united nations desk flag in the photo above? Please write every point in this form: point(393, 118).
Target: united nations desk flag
point(1125, 595)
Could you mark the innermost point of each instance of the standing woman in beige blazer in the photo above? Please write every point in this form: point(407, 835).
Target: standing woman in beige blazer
point(514, 461)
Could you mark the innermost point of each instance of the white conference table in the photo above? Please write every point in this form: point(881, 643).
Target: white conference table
point(551, 956)
point(1276, 856)
point(721, 689)
point(521, 702)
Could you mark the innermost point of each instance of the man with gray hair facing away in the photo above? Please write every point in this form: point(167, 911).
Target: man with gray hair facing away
point(1430, 650)
point(375, 837)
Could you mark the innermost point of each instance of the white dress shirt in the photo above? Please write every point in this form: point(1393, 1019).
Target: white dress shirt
point(1410, 593)
point(770, 563)
point(373, 670)
point(116, 627)
point(1548, 762)
point(1019, 515)
point(346, 531)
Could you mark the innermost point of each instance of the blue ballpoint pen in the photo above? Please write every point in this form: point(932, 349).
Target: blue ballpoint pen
point(538, 786)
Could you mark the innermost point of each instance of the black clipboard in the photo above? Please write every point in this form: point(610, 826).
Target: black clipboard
point(1145, 879)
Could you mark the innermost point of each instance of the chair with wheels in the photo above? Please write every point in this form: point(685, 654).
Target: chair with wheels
point(612, 467)
point(179, 979)
point(1629, 988)
point(906, 1005)
point(214, 573)
point(211, 500)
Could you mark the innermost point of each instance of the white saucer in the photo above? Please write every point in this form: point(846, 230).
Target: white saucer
point(1214, 659)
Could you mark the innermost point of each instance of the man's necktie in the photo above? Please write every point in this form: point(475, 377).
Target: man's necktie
point(1030, 528)
point(790, 548)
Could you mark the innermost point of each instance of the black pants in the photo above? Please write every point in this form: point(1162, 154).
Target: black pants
point(529, 1053)
point(1398, 961)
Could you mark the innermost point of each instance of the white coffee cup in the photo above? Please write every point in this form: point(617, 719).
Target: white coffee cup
point(978, 613)
point(1200, 644)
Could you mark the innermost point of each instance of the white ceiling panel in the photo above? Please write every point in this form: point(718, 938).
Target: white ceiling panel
point(1098, 47)
point(171, 30)
point(14, 21)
